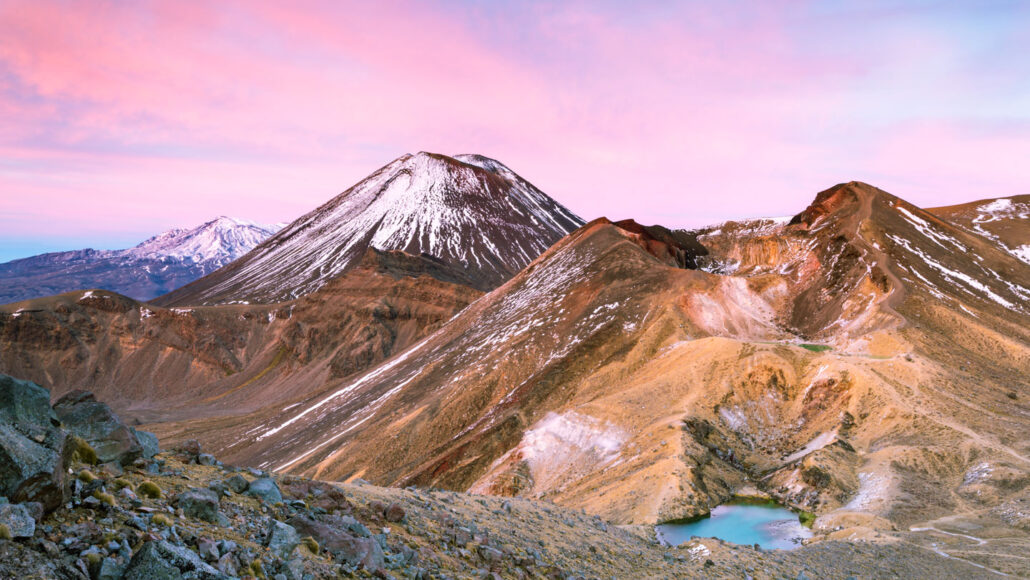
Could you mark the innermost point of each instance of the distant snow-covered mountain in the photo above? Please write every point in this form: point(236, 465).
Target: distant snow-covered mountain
point(150, 269)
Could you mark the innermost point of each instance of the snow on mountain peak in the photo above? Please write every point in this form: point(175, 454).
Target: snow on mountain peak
point(217, 242)
point(469, 211)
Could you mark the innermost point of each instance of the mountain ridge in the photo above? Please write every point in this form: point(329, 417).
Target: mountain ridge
point(151, 268)
point(864, 360)
point(533, 361)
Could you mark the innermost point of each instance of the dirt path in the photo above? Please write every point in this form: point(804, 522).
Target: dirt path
point(928, 527)
point(916, 404)
point(897, 294)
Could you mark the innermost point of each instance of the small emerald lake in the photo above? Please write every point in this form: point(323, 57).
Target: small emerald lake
point(770, 526)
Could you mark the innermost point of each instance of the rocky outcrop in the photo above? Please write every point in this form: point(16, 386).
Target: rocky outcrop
point(356, 551)
point(84, 416)
point(677, 248)
point(22, 402)
point(201, 504)
point(38, 443)
point(34, 452)
point(163, 560)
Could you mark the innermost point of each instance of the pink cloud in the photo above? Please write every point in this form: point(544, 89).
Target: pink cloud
point(681, 114)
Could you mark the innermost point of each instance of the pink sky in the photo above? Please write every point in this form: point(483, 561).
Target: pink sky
point(122, 119)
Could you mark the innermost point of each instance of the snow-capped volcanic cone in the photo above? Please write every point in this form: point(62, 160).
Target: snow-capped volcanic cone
point(162, 263)
point(468, 211)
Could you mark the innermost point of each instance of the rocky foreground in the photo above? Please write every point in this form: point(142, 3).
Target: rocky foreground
point(88, 497)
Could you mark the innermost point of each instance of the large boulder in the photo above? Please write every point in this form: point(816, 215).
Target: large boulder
point(200, 504)
point(282, 539)
point(364, 552)
point(148, 441)
point(95, 422)
point(25, 402)
point(237, 483)
point(161, 560)
point(265, 489)
point(33, 465)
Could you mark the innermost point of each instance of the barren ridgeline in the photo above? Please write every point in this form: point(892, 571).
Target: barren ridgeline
point(865, 360)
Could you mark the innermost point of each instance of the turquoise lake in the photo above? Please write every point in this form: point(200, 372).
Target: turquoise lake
point(771, 527)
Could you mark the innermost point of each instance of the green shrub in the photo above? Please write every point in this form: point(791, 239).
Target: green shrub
point(149, 489)
point(806, 519)
point(105, 498)
point(311, 544)
point(86, 476)
point(81, 451)
point(162, 520)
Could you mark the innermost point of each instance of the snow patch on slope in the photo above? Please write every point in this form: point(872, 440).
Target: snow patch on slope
point(560, 448)
point(962, 279)
point(1003, 209)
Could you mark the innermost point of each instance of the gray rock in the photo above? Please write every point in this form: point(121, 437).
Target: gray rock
point(95, 422)
point(294, 569)
point(149, 564)
point(282, 539)
point(35, 509)
point(24, 402)
point(364, 552)
point(206, 459)
point(18, 520)
point(237, 483)
point(461, 535)
point(218, 486)
point(161, 560)
point(33, 469)
point(199, 504)
point(148, 441)
point(208, 549)
point(110, 470)
point(352, 525)
point(110, 569)
point(265, 489)
point(227, 565)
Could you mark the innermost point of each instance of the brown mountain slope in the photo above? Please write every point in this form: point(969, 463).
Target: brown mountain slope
point(1005, 220)
point(866, 361)
point(603, 378)
point(162, 363)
